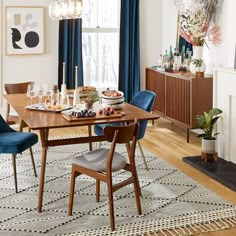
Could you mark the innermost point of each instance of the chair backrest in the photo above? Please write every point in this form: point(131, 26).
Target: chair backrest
point(13, 89)
point(144, 100)
point(125, 133)
point(121, 134)
point(4, 127)
point(17, 88)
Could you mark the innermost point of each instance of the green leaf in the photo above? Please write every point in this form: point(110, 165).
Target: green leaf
point(207, 123)
point(215, 112)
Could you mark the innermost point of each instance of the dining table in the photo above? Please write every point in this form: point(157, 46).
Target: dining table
point(45, 120)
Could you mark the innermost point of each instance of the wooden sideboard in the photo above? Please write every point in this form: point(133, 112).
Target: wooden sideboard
point(180, 96)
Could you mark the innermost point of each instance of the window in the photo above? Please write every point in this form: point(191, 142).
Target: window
point(100, 40)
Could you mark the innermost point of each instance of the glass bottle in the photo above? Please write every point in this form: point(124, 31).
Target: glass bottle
point(183, 55)
point(160, 61)
point(171, 54)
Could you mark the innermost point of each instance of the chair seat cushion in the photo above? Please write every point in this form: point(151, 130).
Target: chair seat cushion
point(16, 142)
point(96, 160)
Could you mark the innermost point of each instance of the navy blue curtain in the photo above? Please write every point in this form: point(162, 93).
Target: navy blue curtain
point(129, 62)
point(70, 52)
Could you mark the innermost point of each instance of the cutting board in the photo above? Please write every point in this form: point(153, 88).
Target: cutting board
point(97, 117)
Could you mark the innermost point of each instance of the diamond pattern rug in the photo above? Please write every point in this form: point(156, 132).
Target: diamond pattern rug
point(171, 201)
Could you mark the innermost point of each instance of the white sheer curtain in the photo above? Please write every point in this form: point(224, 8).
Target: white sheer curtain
point(100, 40)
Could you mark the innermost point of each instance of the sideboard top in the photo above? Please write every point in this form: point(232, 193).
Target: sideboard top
point(181, 74)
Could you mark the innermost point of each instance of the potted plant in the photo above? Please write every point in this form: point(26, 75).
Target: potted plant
point(198, 67)
point(206, 123)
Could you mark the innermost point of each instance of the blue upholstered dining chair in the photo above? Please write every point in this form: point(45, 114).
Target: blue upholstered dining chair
point(144, 100)
point(14, 142)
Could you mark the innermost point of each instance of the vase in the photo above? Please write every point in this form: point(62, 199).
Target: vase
point(197, 54)
point(89, 104)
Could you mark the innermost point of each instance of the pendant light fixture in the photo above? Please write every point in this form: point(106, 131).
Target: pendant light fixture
point(65, 9)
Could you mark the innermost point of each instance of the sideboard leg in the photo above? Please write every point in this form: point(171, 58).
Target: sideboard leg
point(187, 135)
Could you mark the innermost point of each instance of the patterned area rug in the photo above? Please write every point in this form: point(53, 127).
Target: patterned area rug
point(172, 203)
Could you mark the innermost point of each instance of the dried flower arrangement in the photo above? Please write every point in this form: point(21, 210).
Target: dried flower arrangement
point(197, 21)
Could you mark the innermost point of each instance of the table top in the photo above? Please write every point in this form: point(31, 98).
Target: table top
point(41, 119)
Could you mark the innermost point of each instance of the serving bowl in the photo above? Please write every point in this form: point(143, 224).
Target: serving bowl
point(112, 98)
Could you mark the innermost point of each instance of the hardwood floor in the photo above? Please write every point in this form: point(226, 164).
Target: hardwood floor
point(168, 142)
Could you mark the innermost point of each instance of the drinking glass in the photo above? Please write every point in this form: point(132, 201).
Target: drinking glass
point(65, 100)
point(40, 91)
point(55, 97)
point(48, 90)
point(31, 92)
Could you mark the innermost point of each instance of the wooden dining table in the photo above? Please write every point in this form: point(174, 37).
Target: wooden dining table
point(43, 121)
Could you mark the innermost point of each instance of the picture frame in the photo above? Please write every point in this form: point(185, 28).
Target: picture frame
point(25, 33)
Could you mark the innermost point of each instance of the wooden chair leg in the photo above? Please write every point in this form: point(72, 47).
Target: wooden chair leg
point(14, 170)
point(153, 122)
point(97, 190)
point(72, 189)
point(111, 205)
point(144, 159)
point(33, 163)
point(137, 193)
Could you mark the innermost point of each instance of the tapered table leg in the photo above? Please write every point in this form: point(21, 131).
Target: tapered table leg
point(44, 137)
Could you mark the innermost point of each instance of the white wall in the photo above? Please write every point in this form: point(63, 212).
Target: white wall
point(150, 38)
point(157, 31)
point(231, 6)
point(226, 51)
point(38, 68)
point(168, 31)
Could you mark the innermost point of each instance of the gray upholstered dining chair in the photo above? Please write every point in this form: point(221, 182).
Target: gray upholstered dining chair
point(144, 100)
point(14, 142)
point(101, 163)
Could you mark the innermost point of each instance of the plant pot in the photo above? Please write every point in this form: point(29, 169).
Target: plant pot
point(199, 74)
point(208, 146)
point(194, 70)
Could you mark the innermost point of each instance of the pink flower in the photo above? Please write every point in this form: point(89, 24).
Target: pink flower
point(213, 35)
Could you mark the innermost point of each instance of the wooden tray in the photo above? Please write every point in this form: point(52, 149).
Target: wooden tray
point(97, 117)
point(38, 107)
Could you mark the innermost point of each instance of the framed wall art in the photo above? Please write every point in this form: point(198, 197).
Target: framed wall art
point(24, 30)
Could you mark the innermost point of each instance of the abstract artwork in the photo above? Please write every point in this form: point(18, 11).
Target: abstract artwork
point(24, 30)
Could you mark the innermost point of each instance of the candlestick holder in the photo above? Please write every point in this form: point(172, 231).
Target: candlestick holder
point(63, 90)
point(76, 98)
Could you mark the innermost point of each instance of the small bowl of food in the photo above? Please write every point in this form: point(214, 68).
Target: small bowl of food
point(112, 94)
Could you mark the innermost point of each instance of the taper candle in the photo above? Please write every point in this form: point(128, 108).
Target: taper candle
point(63, 73)
point(76, 77)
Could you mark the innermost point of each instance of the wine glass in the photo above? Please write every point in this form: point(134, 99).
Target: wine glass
point(40, 91)
point(31, 92)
